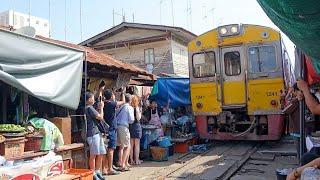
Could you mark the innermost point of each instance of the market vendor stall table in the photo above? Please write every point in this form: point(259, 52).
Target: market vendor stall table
point(65, 151)
point(149, 134)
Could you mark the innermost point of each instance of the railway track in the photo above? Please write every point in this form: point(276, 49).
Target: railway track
point(222, 161)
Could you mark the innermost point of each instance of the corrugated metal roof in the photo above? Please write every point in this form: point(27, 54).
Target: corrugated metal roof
point(177, 30)
point(95, 57)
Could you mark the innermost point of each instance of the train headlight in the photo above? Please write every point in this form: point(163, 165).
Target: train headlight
point(229, 30)
point(223, 31)
point(274, 103)
point(199, 105)
point(234, 29)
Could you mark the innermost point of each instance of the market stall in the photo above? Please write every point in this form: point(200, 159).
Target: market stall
point(37, 78)
point(170, 102)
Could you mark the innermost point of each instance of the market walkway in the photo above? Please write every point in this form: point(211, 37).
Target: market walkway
point(146, 169)
point(235, 160)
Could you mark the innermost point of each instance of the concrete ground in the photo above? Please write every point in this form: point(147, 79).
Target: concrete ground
point(219, 162)
point(146, 169)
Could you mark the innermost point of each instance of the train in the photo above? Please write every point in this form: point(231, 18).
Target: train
point(239, 74)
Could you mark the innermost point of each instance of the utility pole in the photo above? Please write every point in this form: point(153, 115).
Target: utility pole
point(132, 17)
point(172, 13)
point(29, 13)
point(49, 18)
point(81, 20)
point(189, 15)
point(113, 17)
point(123, 16)
point(212, 10)
point(13, 9)
point(161, 1)
point(65, 20)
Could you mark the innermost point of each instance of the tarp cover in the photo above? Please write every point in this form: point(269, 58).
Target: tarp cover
point(300, 21)
point(47, 71)
point(176, 91)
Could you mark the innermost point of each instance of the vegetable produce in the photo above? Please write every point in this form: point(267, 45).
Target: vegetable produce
point(11, 127)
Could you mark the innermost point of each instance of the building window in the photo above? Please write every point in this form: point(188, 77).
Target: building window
point(204, 64)
point(232, 63)
point(45, 24)
point(262, 59)
point(37, 22)
point(149, 56)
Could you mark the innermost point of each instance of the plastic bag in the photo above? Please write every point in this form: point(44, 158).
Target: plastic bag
point(164, 141)
point(164, 119)
point(182, 120)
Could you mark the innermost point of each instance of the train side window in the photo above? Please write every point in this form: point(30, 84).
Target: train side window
point(204, 64)
point(262, 59)
point(232, 63)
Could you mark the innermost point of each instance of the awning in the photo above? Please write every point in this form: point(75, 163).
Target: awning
point(175, 91)
point(48, 71)
point(300, 21)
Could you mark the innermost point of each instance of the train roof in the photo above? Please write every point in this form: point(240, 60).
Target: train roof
point(250, 33)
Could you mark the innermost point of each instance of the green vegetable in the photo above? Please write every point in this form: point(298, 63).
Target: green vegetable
point(11, 127)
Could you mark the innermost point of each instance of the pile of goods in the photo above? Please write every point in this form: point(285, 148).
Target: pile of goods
point(12, 140)
point(11, 128)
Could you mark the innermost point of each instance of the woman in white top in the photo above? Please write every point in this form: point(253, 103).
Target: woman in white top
point(135, 132)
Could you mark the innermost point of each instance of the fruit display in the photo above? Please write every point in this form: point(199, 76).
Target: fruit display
point(11, 128)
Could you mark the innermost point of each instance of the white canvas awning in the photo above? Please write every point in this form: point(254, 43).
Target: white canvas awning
point(45, 70)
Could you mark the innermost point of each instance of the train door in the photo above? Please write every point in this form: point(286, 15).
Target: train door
point(204, 85)
point(233, 77)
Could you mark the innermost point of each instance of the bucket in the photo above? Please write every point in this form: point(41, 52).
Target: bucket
point(159, 153)
point(86, 174)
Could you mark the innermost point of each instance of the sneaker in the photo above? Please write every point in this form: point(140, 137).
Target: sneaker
point(113, 173)
point(100, 176)
point(95, 177)
point(116, 168)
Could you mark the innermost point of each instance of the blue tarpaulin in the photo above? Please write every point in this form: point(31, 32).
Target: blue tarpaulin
point(175, 91)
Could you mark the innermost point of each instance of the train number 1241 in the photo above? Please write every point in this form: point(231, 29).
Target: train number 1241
point(272, 94)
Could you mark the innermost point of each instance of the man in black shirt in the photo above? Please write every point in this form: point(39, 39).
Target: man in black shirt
point(109, 116)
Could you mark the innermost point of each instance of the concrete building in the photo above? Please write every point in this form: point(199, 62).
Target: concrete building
point(156, 48)
point(17, 20)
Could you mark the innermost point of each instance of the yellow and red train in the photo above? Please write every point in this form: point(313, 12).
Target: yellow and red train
point(238, 74)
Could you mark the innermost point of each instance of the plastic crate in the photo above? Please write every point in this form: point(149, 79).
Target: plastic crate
point(86, 174)
point(159, 153)
point(12, 147)
point(33, 143)
point(182, 147)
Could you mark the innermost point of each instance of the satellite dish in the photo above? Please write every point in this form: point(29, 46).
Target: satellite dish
point(27, 31)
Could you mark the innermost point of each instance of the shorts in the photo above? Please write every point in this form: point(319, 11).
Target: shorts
point(96, 144)
point(123, 136)
point(112, 136)
point(135, 130)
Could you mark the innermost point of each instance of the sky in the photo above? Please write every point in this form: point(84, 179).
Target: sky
point(197, 16)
